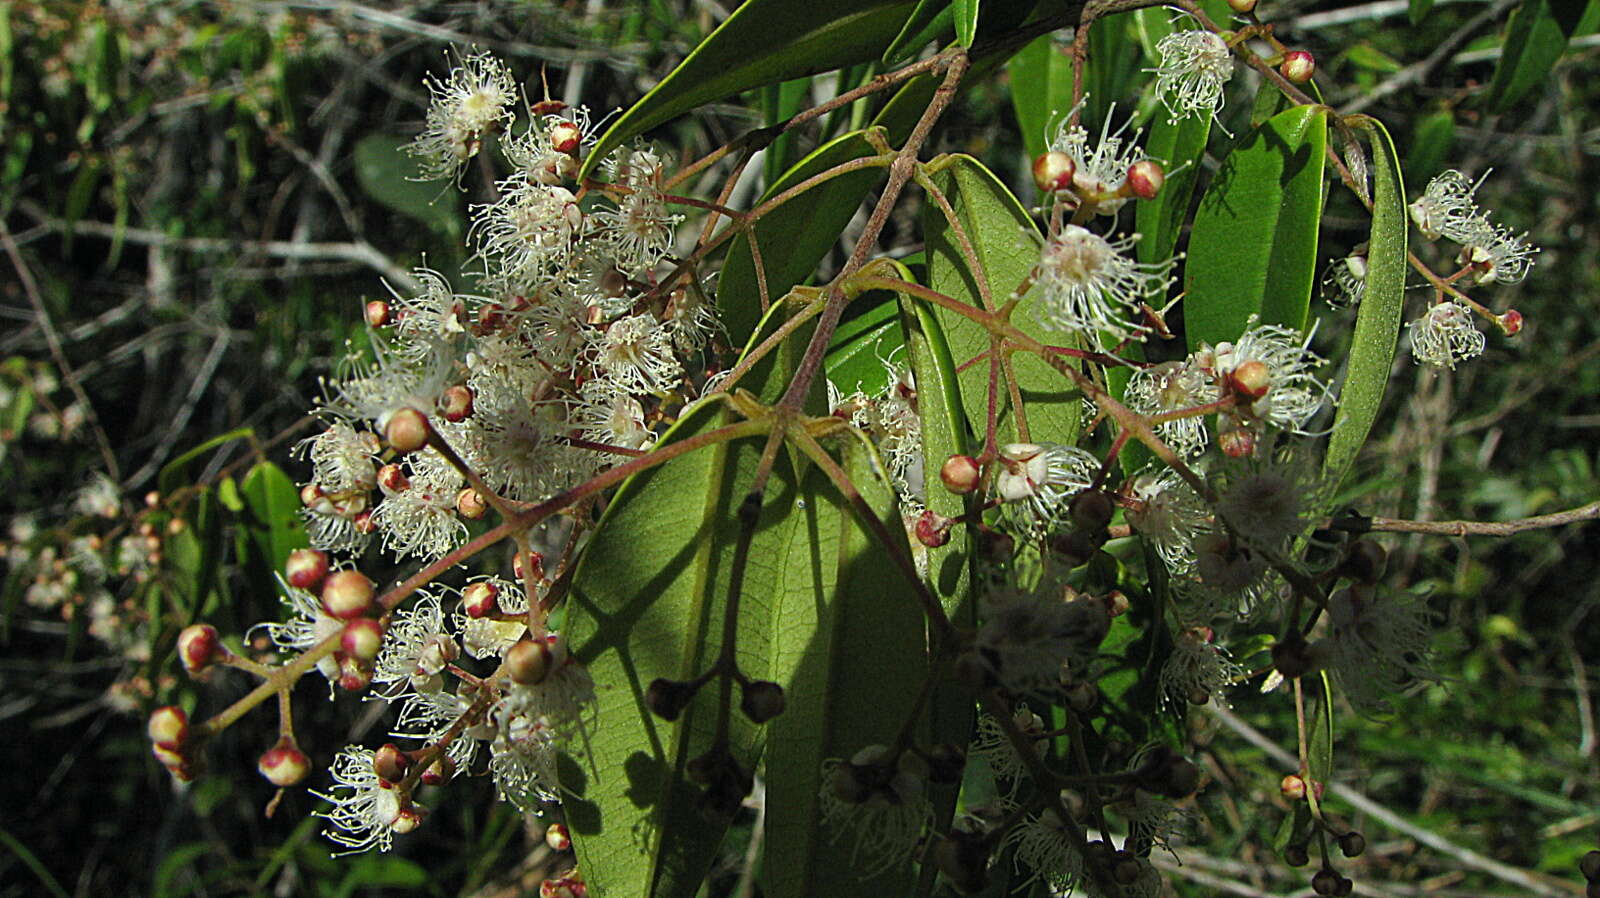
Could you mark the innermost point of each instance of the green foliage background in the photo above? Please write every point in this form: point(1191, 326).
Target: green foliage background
point(164, 167)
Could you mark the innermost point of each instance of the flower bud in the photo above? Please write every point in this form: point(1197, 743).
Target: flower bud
point(1242, 6)
point(565, 138)
point(946, 761)
point(538, 566)
point(377, 313)
point(390, 763)
point(362, 639)
point(455, 404)
point(530, 661)
point(1589, 866)
point(666, 698)
point(1296, 855)
point(1510, 322)
point(1236, 441)
point(1292, 787)
point(1145, 179)
point(168, 726)
point(305, 568)
point(1091, 511)
point(409, 818)
point(407, 431)
point(284, 764)
point(1082, 696)
point(470, 504)
point(964, 860)
point(439, 772)
point(1326, 882)
point(1250, 380)
point(564, 887)
point(1298, 66)
point(354, 674)
point(557, 837)
point(1125, 868)
point(1364, 562)
point(346, 595)
point(1053, 171)
point(392, 479)
point(311, 495)
point(480, 600)
point(960, 474)
point(762, 700)
point(933, 530)
point(1352, 844)
point(199, 647)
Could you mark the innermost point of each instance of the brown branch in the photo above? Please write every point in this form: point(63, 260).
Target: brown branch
point(1469, 528)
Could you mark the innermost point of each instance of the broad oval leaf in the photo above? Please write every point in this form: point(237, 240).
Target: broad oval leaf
point(1253, 247)
point(392, 177)
point(1378, 317)
point(794, 236)
point(762, 42)
point(1006, 243)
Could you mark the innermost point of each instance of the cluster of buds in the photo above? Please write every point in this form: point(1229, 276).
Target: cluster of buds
point(172, 742)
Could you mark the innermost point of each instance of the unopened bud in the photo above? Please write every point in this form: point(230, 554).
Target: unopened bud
point(1074, 549)
point(1292, 787)
point(1326, 882)
point(1237, 442)
point(1145, 179)
point(407, 430)
point(1242, 6)
point(960, 474)
point(1082, 696)
point(1352, 844)
point(284, 764)
point(346, 594)
point(199, 647)
point(409, 818)
point(1091, 511)
point(529, 662)
point(1589, 866)
point(1510, 322)
point(362, 639)
point(354, 674)
point(762, 701)
point(311, 494)
point(558, 837)
point(1251, 380)
point(305, 568)
point(1125, 869)
point(565, 138)
point(390, 763)
point(666, 698)
point(168, 726)
point(455, 404)
point(439, 772)
point(537, 561)
point(392, 479)
point(1298, 66)
point(470, 504)
point(1053, 171)
point(964, 860)
point(1183, 778)
point(480, 599)
point(378, 313)
point(364, 524)
point(933, 529)
point(1365, 562)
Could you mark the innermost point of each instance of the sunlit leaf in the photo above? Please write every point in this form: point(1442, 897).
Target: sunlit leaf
point(272, 503)
point(1253, 247)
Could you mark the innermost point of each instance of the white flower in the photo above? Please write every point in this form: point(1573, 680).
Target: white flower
point(1044, 845)
point(1496, 255)
point(1171, 387)
point(1445, 335)
point(341, 460)
point(1379, 644)
point(881, 813)
point(1170, 515)
point(691, 319)
point(1030, 634)
point(638, 231)
point(1098, 172)
point(528, 232)
point(434, 312)
point(1446, 207)
point(635, 354)
point(1229, 577)
point(993, 745)
point(1044, 477)
point(415, 650)
point(488, 637)
point(1344, 282)
point(524, 761)
point(307, 626)
point(1293, 394)
point(374, 391)
point(1088, 285)
point(605, 414)
point(1266, 500)
point(421, 519)
point(1195, 65)
point(1197, 669)
point(475, 99)
point(365, 807)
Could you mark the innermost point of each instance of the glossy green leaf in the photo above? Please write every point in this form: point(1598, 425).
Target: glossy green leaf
point(1418, 10)
point(1372, 347)
point(272, 504)
point(795, 236)
point(848, 644)
point(1535, 40)
point(1114, 63)
point(965, 13)
point(1253, 247)
point(778, 103)
point(864, 343)
point(1179, 147)
point(1006, 243)
point(169, 478)
point(930, 21)
point(388, 174)
point(762, 42)
point(1041, 90)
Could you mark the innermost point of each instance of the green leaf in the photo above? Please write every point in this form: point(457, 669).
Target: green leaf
point(863, 343)
point(778, 103)
point(1534, 42)
point(795, 236)
point(1378, 317)
point(272, 505)
point(1113, 64)
point(1006, 243)
point(1179, 147)
point(966, 20)
point(763, 42)
point(848, 645)
point(927, 23)
point(1418, 10)
point(1041, 90)
point(390, 175)
point(1431, 143)
point(1253, 247)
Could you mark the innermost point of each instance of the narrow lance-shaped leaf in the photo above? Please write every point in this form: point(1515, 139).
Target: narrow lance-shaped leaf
point(1041, 90)
point(1378, 317)
point(965, 13)
point(1006, 243)
point(1253, 247)
point(865, 345)
point(272, 502)
point(931, 19)
point(762, 42)
point(1535, 39)
point(848, 646)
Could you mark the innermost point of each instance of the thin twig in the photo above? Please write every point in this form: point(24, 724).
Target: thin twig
point(1470, 528)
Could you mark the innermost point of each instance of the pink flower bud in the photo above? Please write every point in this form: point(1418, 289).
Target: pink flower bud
point(960, 474)
point(284, 764)
point(346, 594)
point(199, 647)
point(529, 662)
point(407, 430)
point(390, 763)
point(933, 530)
point(480, 600)
point(377, 313)
point(305, 568)
point(362, 639)
point(538, 566)
point(354, 675)
point(557, 837)
point(409, 818)
point(311, 494)
point(439, 772)
point(392, 479)
point(1242, 6)
point(168, 726)
point(470, 504)
point(456, 404)
point(1250, 380)
point(1145, 179)
point(1298, 66)
point(565, 138)
point(1510, 322)
point(1053, 171)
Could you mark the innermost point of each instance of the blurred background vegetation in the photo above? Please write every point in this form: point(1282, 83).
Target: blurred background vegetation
point(198, 197)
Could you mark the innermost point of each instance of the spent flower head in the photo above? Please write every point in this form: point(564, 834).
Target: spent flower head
point(1445, 335)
